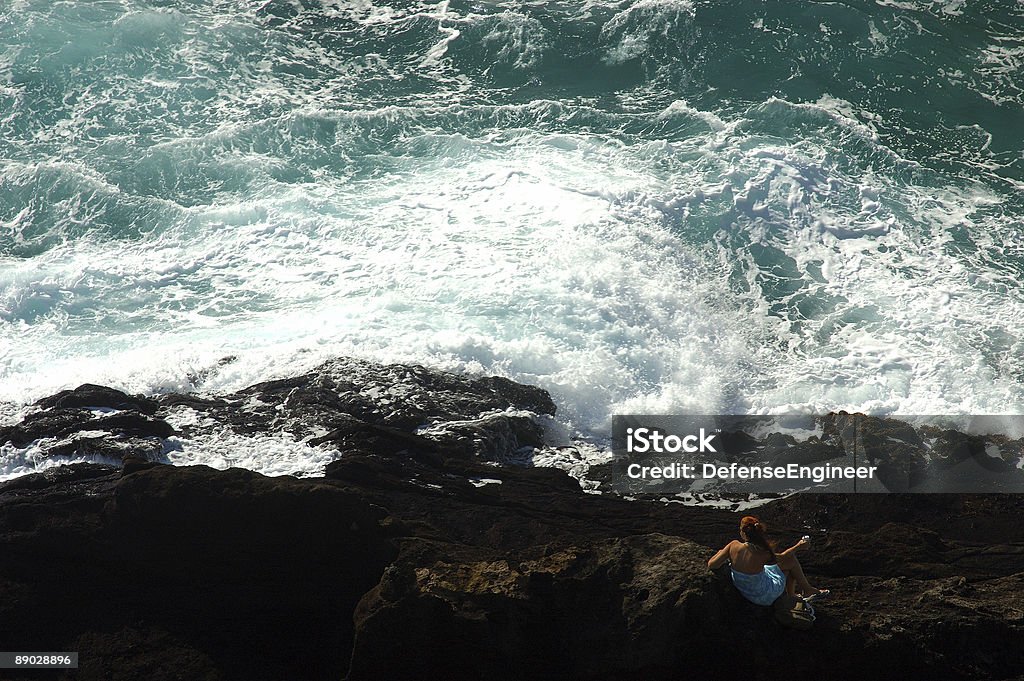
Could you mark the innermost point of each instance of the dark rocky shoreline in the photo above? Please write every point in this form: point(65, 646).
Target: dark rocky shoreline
point(400, 563)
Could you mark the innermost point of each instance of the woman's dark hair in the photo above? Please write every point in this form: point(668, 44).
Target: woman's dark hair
point(754, 531)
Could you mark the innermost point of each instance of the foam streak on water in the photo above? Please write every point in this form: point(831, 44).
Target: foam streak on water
point(642, 206)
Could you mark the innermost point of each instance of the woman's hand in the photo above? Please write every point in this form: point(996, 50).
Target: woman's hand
point(792, 549)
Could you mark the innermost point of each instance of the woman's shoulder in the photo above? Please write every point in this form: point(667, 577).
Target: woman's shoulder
point(737, 548)
point(751, 552)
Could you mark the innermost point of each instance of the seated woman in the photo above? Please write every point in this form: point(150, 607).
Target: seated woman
point(761, 574)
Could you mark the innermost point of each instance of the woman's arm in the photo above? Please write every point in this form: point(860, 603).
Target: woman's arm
point(792, 549)
point(719, 559)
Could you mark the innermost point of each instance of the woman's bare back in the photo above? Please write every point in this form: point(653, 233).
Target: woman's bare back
point(747, 558)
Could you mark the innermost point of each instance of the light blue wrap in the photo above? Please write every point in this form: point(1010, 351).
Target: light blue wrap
point(762, 588)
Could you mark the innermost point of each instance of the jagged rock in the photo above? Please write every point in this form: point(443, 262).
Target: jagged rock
point(804, 453)
point(63, 476)
point(500, 437)
point(398, 396)
point(343, 397)
point(237, 575)
point(61, 422)
point(594, 610)
point(416, 557)
point(646, 607)
point(527, 397)
point(529, 579)
point(98, 397)
point(352, 405)
point(193, 401)
point(55, 424)
point(107, 446)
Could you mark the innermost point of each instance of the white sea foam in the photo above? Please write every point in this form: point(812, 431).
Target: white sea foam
point(245, 196)
point(630, 31)
point(18, 461)
point(549, 263)
point(277, 454)
point(506, 262)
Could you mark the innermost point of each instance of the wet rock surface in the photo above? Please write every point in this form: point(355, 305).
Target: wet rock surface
point(416, 556)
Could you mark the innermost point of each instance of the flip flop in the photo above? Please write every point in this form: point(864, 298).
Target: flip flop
point(822, 593)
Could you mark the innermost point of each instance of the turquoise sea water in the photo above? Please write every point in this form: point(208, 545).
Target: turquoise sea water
point(643, 206)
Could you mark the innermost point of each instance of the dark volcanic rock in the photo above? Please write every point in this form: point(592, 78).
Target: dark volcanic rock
point(352, 404)
point(80, 432)
point(38, 425)
point(347, 404)
point(805, 453)
point(228, 574)
point(64, 476)
point(499, 437)
point(646, 607)
point(523, 396)
point(106, 445)
point(591, 610)
point(417, 558)
point(398, 396)
point(98, 397)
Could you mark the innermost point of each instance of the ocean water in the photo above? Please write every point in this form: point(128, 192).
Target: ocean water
point(650, 206)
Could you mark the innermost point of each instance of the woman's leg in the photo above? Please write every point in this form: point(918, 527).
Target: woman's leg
point(796, 580)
